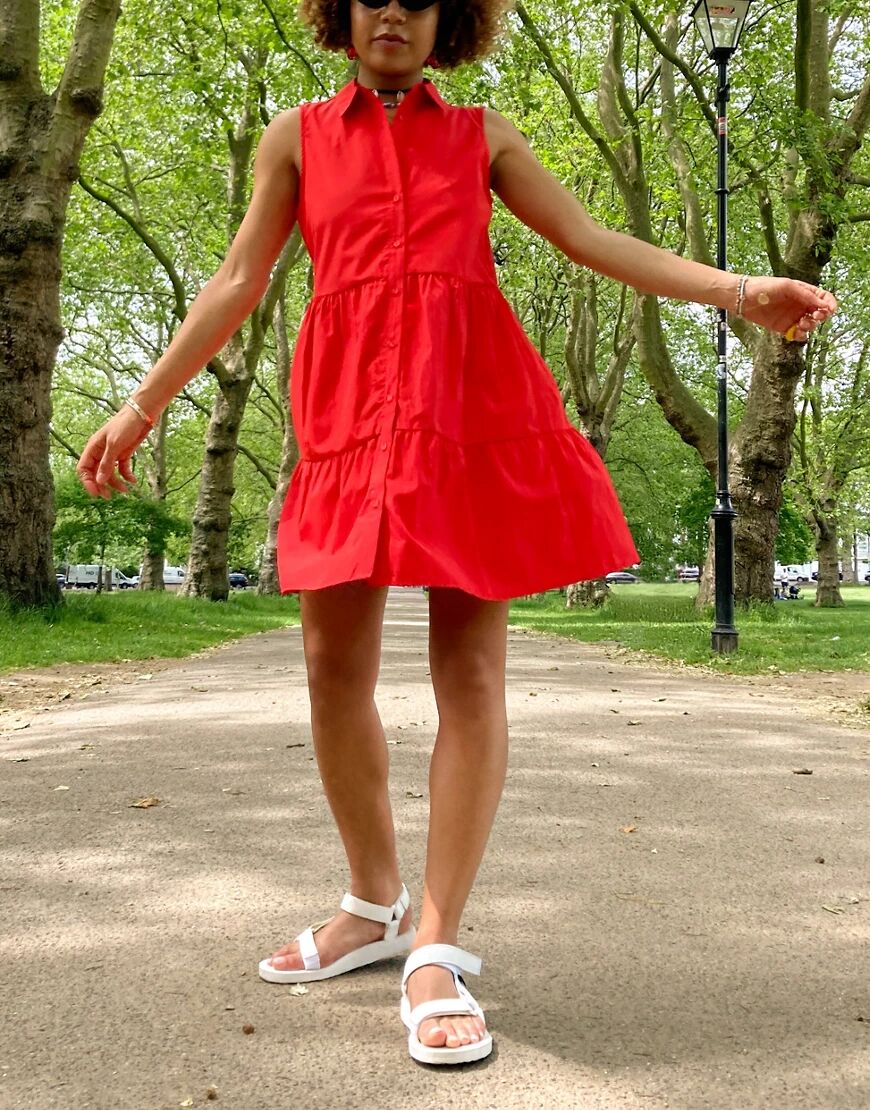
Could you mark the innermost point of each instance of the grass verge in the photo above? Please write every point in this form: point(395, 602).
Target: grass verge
point(661, 620)
point(125, 624)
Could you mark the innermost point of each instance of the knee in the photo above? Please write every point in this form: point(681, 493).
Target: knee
point(472, 682)
point(336, 675)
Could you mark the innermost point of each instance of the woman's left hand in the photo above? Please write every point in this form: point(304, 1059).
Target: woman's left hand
point(792, 308)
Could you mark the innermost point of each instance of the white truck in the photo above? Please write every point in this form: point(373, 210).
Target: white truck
point(86, 576)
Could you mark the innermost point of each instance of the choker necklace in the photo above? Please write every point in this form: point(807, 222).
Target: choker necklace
point(399, 95)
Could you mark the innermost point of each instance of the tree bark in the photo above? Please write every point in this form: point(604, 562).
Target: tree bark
point(828, 594)
point(41, 138)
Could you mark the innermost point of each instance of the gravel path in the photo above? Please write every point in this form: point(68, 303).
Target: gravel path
point(671, 912)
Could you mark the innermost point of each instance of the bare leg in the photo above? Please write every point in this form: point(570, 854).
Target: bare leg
point(467, 655)
point(341, 633)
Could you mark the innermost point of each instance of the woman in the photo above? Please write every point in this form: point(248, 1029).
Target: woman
point(434, 448)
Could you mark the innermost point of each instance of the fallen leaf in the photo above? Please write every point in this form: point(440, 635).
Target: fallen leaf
point(231, 790)
point(834, 909)
point(628, 828)
point(144, 803)
point(804, 771)
point(412, 794)
point(247, 1030)
point(21, 759)
point(187, 1102)
point(139, 677)
point(212, 1093)
point(201, 689)
point(295, 745)
point(820, 859)
point(86, 747)
point(61, 788)
point(633, 722)
point(298, 989)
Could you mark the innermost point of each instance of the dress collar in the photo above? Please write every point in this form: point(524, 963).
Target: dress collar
point(354, 91)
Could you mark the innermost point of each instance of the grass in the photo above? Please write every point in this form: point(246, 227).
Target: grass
point(126, 624)
point(661, 620)
point(658, 619)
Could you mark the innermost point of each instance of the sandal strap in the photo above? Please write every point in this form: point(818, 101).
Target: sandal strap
point(308, 950)
point(440, 1007)
point(391, 916)
point(442, 954)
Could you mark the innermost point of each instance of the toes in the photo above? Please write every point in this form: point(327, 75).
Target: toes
point(433, 1033)
point(285, 959)
point(453, 1038)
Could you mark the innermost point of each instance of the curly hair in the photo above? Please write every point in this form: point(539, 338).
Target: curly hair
point(467, 29)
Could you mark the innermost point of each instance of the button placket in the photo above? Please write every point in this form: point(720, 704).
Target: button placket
point(395, 275)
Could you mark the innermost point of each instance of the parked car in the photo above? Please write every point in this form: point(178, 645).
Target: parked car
point(621, 576)
point(689, 574)
point(238, 581)
point(61, 579)
point(816, 576)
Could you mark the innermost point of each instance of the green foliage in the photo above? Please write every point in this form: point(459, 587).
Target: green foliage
point(114, 531)
point(794, 540)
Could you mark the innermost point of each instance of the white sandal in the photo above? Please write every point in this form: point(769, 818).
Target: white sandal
point(456, 960)
point(393, 943)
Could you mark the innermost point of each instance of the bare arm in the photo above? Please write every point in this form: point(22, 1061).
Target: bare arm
point(221, 307)
point(537, 198)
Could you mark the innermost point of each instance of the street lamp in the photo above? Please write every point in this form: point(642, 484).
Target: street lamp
point(720, 26)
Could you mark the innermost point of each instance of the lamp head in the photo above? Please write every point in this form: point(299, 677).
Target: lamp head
point(721, 25)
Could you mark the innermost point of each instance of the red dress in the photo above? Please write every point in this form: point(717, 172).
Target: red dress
point(434, 445)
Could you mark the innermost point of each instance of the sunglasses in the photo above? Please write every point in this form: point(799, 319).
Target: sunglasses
point(408, 5)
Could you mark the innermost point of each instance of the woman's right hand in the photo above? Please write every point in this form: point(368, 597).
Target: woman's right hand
point(110, 447)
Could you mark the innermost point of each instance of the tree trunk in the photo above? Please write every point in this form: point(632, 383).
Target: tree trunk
point(588, 595)
point(41, 138)
point(828, 594)
point(206, 574)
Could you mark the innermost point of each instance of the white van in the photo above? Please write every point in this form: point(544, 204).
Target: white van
point(86, 576)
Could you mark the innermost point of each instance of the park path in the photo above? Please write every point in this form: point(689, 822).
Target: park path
point(668, 915)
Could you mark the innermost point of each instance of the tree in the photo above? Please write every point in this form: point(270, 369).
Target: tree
point(41, 138)
point(815, 145)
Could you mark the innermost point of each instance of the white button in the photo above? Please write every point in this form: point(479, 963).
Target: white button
point(383, 446)
point(397, 242)
point(396, 197)
point(389, 396)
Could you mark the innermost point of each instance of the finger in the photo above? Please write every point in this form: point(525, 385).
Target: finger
point(124, 465)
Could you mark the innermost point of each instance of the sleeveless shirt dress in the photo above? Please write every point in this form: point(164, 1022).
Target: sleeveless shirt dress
point(434, 445)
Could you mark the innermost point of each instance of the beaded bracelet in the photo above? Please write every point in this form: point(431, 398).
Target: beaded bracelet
point(136, 407)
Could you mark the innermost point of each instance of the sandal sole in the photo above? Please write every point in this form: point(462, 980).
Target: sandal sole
point(360, 957)
point(466, 1054)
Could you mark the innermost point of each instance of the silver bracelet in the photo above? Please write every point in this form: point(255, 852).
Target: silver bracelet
point(741, 296)
point(136, 407)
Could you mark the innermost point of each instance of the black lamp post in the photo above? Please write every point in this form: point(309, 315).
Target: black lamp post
point(721, 26)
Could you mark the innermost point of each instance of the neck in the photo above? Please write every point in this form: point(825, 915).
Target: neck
point(372, 79)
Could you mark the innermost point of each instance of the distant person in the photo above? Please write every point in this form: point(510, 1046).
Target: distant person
point(434, 447)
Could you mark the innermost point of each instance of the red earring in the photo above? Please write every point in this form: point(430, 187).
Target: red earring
point(351, 52)
point(431, 61)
